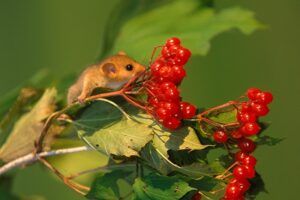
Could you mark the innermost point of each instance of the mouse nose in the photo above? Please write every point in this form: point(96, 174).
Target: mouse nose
point(141, 69)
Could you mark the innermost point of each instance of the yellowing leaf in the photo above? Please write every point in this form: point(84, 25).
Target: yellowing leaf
point(27, 130)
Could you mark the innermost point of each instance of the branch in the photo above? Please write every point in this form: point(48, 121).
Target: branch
point(32, 157)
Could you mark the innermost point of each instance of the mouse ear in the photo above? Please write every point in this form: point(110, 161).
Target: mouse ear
point(110, 70)
point(122, 53)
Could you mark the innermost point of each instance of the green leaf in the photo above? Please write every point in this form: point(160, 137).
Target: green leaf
point(182, 139)
point(156, 155)
point(119, 15)
point(257, 186)
point(196, 25)
point(103, 126)
point(157, 187)
point(225, 116)
point(267, 140)
point(27, 130)
point(106, 187)
point(164, 140)
point(155, 159)
point(222, 116)
point(208, 184)
point(187, 158)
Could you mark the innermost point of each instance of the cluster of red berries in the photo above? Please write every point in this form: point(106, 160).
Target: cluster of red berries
point(245, 170)
point(247, 116)
point(167, 72)
point(250, 111)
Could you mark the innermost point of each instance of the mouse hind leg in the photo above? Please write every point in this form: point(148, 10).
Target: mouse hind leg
point(73, 93)
point(87, 88)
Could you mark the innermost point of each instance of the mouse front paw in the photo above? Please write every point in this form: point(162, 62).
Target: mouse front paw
point(81, 99)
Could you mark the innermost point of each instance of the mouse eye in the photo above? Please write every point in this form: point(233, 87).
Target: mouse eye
point(129, 67)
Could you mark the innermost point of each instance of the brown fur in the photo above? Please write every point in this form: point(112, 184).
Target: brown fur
point(110, 73)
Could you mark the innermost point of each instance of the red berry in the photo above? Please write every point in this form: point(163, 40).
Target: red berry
point(236, 134)
point(178, 74)
point(168, 92)
point(171, 61)
point(249, 160)
point(250, 171)
point(259, 109)
point(155, 67)
point(164, 71)
point(161, 59)
point(172, 123)
point(188, 110)
point(162, 113)
point(153, 101)
point(178, 61)
point(172, 41)
point(243, 184)
point(245, 107)
point(220, 136)
point(245, 117)
point(153, 90)
point(264, 97)
point(244, 171)
point(240, 156)
point(172, 94)
point(166, 85)
point(252, 93)
point(250, 128)
point(197, 196)
point(183, 53)
point(240, 172)
point(232, 191)
point(173, 49)
point(246, 145)
point(182, 56)
point(173, 108)
point(165, 52)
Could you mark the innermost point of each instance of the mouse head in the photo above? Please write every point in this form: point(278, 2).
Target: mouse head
point(121, 68)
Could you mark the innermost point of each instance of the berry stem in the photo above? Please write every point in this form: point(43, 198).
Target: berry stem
point(230, 103)
point(133, 102)
point(104, 95)
point(226, 146)
point(222, 176)
point(218, 124)
point(135, 92)
point(153, 53)
point(226, 176)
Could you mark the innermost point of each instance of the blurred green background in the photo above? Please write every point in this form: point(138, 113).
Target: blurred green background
point(65, 36)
